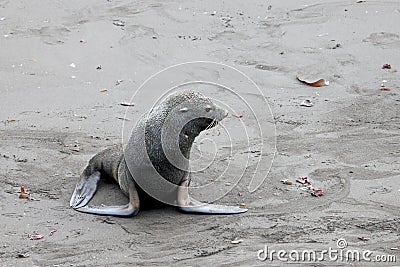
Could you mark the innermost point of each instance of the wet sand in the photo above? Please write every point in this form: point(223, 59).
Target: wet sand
point(347, 143)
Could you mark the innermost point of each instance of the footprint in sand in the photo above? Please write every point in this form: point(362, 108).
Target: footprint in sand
point(383, 39)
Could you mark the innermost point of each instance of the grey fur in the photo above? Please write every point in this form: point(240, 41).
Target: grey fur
point(156, 158)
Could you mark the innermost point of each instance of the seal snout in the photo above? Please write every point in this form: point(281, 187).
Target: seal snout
point(221, 113)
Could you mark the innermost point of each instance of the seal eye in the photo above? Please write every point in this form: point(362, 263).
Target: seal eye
point(208, 108)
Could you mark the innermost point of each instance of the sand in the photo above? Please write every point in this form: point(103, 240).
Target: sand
point(56, 57)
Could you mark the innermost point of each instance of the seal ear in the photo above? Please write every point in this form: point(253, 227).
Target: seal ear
point(183, 109)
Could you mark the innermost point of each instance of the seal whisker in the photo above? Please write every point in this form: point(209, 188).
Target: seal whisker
point(217, 128)
point(212, 124)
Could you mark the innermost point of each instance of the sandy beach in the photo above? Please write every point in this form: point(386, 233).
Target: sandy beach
point(65, 67)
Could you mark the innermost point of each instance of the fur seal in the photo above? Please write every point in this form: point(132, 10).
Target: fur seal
point(156, 159)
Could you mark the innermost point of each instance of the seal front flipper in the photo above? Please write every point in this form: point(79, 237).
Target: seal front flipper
point(190, 205)
point(195, 206)
point(85, 190)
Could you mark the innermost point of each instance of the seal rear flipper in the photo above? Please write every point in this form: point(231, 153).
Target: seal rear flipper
point(85, 190)
point(190, 205)
point(128, 210)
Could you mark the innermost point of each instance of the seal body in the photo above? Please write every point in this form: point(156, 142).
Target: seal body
point(156, 158)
